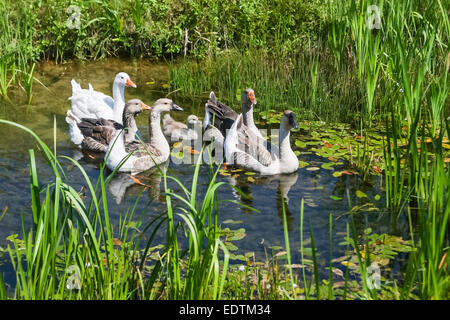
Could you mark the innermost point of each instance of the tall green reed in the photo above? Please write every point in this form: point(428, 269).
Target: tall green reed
point(72, 251)
point(302, 81)
point(17, 51)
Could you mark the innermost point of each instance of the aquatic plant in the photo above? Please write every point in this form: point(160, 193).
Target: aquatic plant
point(384, 87)
point(17, 51)
point(391, 76)
point(73, 252)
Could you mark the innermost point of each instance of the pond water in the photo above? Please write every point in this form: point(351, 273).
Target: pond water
point(264, 229)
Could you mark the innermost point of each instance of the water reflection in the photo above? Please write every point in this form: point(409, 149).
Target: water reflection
point(267, 194)
point(284, 185)
point(123, 184)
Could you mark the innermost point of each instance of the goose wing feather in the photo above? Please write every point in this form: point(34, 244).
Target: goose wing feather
point(142, 149)
point(88, 103)
point(220, 115)
point(93, 145)
point(101, 130)
point(250, 144)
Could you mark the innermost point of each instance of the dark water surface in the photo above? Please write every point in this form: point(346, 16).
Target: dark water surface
point(263, 229)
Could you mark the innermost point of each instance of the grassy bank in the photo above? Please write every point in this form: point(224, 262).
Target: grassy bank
point(35, 30)
point(96, 28)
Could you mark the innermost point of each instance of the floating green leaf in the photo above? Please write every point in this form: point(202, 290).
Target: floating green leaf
point(302, 164)
point(300, 144)
point(249, 254)
point(231, 221)
point(328, 165)
point(276, 248)
point(178, 155)
point(237, 257)
point(361, 194)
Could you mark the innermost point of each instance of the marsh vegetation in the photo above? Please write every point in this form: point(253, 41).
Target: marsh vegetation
point(368, 82)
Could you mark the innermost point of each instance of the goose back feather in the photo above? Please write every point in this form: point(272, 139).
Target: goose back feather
point(239, 150)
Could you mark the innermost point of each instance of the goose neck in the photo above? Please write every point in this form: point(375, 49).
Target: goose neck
point(129, 123)
point(156, 136)
point(119, 102)
point(116, 148)
point(285, 143)
point(247, 114)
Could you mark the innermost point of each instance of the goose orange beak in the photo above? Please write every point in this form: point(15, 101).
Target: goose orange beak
point(130, 83)
point(145, 107)
point(251, 97)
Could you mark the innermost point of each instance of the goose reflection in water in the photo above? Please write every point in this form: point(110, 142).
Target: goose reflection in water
point(285, 183)
point(125, 184)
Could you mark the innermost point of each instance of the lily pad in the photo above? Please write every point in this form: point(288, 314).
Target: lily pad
point(302, 164)
point(300, 144)
point(178, 155)
point(328, 166)
point(231, 221)
point(361, 194)
point(237, 257)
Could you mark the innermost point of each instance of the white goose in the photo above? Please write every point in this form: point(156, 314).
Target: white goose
point(241, 151)
point(96, 134)
point(88, 103)
point(154, 153)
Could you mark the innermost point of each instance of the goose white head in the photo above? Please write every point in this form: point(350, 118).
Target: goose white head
point(192, 120)
point(133, 107)
point(288, 120)
point(122, 79)
point(131, 110)
point(165, 105)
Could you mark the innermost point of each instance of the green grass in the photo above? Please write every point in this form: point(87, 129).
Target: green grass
point(33, 30)
point(303, 82)
point(318, 59)
point(69, 236)
point(394, 78)
point(72, 251)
